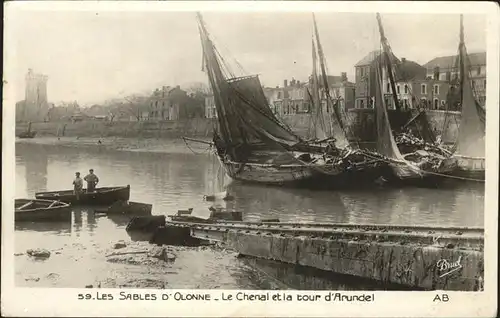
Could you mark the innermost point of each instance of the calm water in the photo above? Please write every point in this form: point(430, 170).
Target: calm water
point(173, 181)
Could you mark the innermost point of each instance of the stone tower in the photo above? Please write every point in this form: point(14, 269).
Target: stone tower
point(35, 97)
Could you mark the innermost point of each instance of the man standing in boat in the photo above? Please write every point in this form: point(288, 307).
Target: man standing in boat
point(92, 181)
point(77, 185)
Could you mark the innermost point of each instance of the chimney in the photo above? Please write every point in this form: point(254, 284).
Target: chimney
point(343, 77)
point(298, 83)
point(436, 73)
point(403, 60)
point(292, 82)
point(178, 87)
point(285, 83)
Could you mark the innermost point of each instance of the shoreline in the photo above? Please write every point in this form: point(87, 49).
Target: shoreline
point(128, 144)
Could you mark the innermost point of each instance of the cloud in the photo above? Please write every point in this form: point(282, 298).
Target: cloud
point(91, 56)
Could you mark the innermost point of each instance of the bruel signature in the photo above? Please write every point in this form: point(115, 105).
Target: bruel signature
point(446, 267)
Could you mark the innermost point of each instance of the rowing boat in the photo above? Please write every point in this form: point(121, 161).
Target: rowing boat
point(101, 196)
point(41, 210)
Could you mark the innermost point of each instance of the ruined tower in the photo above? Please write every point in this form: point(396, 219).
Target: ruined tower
point(35, 97)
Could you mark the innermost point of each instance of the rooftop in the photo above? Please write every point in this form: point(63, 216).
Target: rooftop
point(371, 57)
point(449, 61)
point(409, 70)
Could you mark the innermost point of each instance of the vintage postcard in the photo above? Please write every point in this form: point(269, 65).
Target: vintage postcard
point(233, 158)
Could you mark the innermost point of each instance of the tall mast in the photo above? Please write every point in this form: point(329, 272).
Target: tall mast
point(215, 77)
point(337, 115)
point(462, 54)
point(319, 127)
point(387, 60)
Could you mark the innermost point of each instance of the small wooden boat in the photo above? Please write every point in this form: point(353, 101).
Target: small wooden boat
point(101, 196)
point(127, 208)
point(28, 133)
point(41, 210)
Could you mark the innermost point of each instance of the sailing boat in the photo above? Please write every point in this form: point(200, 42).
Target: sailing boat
point(415, 165)
point(470, 143)
point(250, 142)
point(334, 137)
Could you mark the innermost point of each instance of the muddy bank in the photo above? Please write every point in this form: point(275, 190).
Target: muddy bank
point(152, 145)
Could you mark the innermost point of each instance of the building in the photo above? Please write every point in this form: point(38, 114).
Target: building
point(365, 79)
point(35, 105)
point(414, 88)
point(446, 69)
point(294, 97)
point(166, 103)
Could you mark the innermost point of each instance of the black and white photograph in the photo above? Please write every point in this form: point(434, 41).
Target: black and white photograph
point(192, 156)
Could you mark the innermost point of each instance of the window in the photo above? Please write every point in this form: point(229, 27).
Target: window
point(406, 103)
point(279, 95)
point(423, 102)
point(479, 70)
point(397, 89)
point(448, 76)
point(388, 87)
point(406, 88)
point(436, 103)
point(436, 89)
point(423, 89)
point(362, 103)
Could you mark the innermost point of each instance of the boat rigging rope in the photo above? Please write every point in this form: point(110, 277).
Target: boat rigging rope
point(194, 152)
point(430, 172)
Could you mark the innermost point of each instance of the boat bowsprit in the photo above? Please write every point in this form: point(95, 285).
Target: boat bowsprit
point(101, 196)
point(41, 210)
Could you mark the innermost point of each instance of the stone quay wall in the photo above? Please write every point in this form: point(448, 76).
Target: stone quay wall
point(362, 124)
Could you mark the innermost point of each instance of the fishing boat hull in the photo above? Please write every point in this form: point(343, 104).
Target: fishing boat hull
point(27, 210)
point(404, 172)
point(101, 196)
point(302, 175)
point(470, 167)
point(126, 208)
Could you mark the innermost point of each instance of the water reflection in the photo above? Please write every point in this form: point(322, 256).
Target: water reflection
point(55, 227)
point(36, 171)
point(179, 181)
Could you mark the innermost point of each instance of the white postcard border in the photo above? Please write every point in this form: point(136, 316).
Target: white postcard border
point(63, 302)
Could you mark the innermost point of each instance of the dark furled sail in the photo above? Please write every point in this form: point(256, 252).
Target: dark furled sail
point(318, 116)
point(337, 129)
point(386, 145)
point(244, 117)
point(471, 132)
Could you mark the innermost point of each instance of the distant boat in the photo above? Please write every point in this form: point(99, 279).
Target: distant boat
point(101, 196)
point(41, 210)
point(28, 133)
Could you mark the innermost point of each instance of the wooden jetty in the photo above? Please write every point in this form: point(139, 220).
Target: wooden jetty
point(420, 257)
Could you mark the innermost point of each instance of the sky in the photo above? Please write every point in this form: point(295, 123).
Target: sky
point(91, 56)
